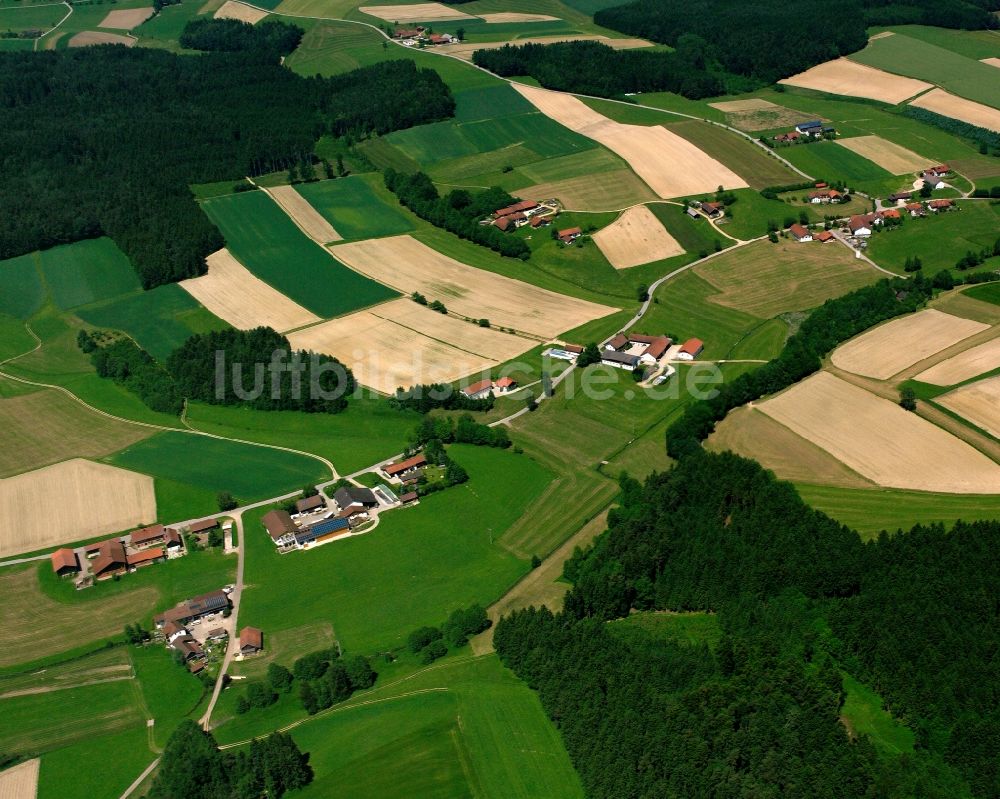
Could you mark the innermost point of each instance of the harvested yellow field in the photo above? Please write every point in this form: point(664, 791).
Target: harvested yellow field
point(941, 102)
point(636, 237)
point(888, 349)
point(978, 402)
point(244, 13)
point(857, 80)
point(414, 12)
point(21, 781)
point(408, 265)
point(881, 441)
point(126, 19)
point(993, 62)
point(888, 155)
point(605, 191)
point(233, 293)
point(69, 501)
point(46, 427)
point(88, 38)
point(466, 49)
point(670, 165)
point(764, 279)
point(401, 343)
point(303, 214)
point(514, 16)
point(964, 366)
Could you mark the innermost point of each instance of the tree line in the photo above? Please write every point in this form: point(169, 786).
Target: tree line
point(464, 430)
point(427, 397)
point(458, 212)
point(106, 140)
point(270, 38)
point(125, 362)
point(799, 600)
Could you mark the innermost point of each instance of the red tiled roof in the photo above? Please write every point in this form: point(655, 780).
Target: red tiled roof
point(524, 205)
point(251, 636)
point(692, 346)
point(409, 496)
point(618, 341)
point(824, 235)
point(576, 348)
point(798, 231)
point(890, 213)
point(821, 185)
point(172, 537)
point(506, 382)
point(402, 466)
point(146, 534)
point(502, 223)
point(203, 525)
point(147, 555)
point(110, 556)
point(658, 347)
point(477, 388)
point(570, 231)
point(940, 203)
point(64, 559)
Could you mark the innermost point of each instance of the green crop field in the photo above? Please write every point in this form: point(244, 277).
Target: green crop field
point(61, 775)
point(87, 271)
point(413, 569)
point(869, 511)
point(865, 715)
point(988, 292)
point(249, 472)
point(475, 105)
point(762, 342)
point(939, 239)
point(39, 17)
point(964, 76)
point(827, 160)
point(366, 433)
point(971, 44)
point(750, 162)
point(159, 320)
point(269, 244)
point(168, 23)
point(21, 289)
point(358, 207)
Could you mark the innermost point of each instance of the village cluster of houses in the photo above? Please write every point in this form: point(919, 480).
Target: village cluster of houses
point(863, 225)
point(804, 131)
point(630, 351)
point(823, 195)
point(176, 625)
point(421, 35)
point(525, 212)
point(113, 557)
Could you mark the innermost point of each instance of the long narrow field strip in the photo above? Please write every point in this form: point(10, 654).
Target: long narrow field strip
point(888, 155)
point(232, 292)
point(881, 441)
point(47, 427)
point(21, 781)
point(514, 16)
point(304, 215)
point(636, 237)
point(410, 265)
point(974, 361)
point(946, 104)
point(978, 402)
point(235, 10)
point(403, 344)
point(415, 12)
point(70, 501)
point(857, 80)
point(89, 38)
point(890, 348)
point(606, 191)
point(466, 49)
point(126, 18)
point(671, 165)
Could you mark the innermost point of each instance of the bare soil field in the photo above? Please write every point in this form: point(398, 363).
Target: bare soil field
point(670, 165)
point(46, 427)
point(36, 626)
point(888, 349)
point(466, 49)
point(234, 10)
point(88, 38)
point(993, 62)
point(303, 214)
point(605, 191)
point(414, 12)
point(964, 366)
point(401, 343)
point(233, 293)
point(756, 114)
point(127, 18)
point(749, 432)
point(409, 265)
point(888, 155)
point(881, 441)
point(857, 80)
point(21, 781)
point(941, 102)
point(514, 16)
point(70, 501)
point(636, 237)
point(978, 403)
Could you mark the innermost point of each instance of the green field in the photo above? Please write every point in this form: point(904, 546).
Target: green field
point(169, 691)
point(690, 629)
point(249, 472)
point(827, 160)
point(39, 17)
point(971, 44)
point(166, 26)
point(964, 76)
point(864, 713)
point(269, 244)
point(87, 271)
point(160, 320)
point(475, 105)
point(413, 569)
point(358, 207)
point(21, 289)
point(366, 433)
point(988, 292)
point(61, 775)
point(939, 239)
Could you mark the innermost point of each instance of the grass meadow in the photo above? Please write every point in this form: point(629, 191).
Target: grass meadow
point(269, 244)
point(21, 291)
point(358, 207)
point(971, 44)
point(864, 713)
point(87, 271)
point(62, 777)
point(170, 692)
point(690, 629)
point(22, 18)
point(988, 292)
point(827, 160)
point(417, 566)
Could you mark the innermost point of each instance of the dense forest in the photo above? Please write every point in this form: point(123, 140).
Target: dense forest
point(271, 38)
point(800, 600)
point(106, 140)
point(125, 362)
point(458, 212)
point(262, 366)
